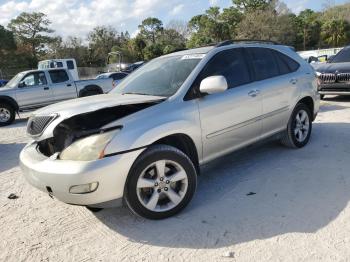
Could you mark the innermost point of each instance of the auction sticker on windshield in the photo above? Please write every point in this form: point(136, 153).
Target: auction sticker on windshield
point(194, 56)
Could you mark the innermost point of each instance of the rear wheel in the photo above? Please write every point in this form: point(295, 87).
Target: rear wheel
point(299, 127)
point(7, 114)
point(161, 183)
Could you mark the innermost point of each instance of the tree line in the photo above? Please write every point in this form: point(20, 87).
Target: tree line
point(29, 37)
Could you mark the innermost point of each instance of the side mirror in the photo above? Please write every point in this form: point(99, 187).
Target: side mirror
point(21, 85)
point(213, 84)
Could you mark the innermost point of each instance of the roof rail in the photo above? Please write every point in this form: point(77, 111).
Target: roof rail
point(230, 42)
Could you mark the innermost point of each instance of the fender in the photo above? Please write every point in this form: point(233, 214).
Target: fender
point(89, 88)
point(9, 100)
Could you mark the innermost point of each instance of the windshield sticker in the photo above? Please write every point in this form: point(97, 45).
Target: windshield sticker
point(194, 56)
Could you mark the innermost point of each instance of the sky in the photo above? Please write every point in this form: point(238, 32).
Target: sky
point(78, 17)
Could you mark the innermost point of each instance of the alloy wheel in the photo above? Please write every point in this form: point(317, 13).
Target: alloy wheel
point(162, 185)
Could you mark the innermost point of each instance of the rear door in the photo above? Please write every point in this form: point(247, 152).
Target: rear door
point(33, 91)
point(63, 87)
point(277, 85)
point(229, 119)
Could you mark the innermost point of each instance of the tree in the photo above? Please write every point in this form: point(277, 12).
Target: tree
point(101, 40)
point(150, 29)
point(251, 5)
point(336, 32)
point(7, 40)
point(32, 29)
point(213, 26)
point(268, 25)
point(310, 28)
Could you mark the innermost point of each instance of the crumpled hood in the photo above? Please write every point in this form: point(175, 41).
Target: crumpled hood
point(332, 67)
point(74, 107)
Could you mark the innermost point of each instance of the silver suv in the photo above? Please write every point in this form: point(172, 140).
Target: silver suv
point(143, 143)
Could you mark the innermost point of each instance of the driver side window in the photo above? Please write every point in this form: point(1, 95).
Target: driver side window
point(34, 79)
point(228, 63)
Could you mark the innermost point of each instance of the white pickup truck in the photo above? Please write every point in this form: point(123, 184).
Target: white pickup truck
point(37, 88)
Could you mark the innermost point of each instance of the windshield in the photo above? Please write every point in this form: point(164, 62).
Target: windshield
point(15, 80)
point(342, 57)
point(160, 77)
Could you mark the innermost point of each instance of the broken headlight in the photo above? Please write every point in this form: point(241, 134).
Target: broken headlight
point(89, 148)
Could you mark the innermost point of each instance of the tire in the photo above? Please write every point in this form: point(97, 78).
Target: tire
point(322, 97)
point(291, 137)
point(179, 178)
point(7, 115)
point(94, 209)
point(89, 93)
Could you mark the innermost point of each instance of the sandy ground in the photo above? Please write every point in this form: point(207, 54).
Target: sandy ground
point(300, 211)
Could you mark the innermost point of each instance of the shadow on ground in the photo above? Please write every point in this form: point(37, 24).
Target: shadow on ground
point(9, 155)
point(296, 191)
point(337, 98)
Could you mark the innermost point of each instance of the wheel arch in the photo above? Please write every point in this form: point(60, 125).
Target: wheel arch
point(10, 101)
point(309, 102)
point(88, 88)
point(184, 143)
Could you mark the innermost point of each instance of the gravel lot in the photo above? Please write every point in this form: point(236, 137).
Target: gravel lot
point(300, 210)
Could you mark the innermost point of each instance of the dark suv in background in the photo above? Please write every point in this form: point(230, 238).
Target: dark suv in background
point(334, 76)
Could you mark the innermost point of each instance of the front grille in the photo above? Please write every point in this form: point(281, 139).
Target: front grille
point(328, 78)
point(37, 124)
point(343, 77)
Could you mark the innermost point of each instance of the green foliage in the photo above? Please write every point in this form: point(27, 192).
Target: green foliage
point(252, 5)
point(28, 38)
point(32, 29)
point(150, 29)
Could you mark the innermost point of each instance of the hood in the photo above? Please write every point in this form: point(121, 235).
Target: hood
point(74, 107)
point(86, 113)
point(332, 67)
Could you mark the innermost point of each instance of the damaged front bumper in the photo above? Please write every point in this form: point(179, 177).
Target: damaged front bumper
point(57, 177)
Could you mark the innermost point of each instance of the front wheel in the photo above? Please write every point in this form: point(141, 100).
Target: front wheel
point(7, 115)
point(161, 182)
point(299, 127)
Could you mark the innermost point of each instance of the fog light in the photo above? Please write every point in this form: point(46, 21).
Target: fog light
point(84, 189)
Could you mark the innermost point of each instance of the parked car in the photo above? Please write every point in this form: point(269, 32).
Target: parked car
point(144, 142)
point(334, 76)
point(3, 82)
point(37, 88)
point(116, 76)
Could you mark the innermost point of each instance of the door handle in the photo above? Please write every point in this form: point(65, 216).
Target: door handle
point(254, 93)
point(46, 88)
point(293, 81)
point(69, 84)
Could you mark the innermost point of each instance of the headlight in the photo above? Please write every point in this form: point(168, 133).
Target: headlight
point(318, 73)
point(89, 148)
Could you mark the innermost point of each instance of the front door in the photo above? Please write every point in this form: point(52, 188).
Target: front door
point(230, 119)
point(33, 91)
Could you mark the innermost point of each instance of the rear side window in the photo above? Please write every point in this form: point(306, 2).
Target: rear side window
point(264, 63)
point(285, 63)
point(59, 64)
point(58, 76)
point(229, 63)
point(70, 64)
